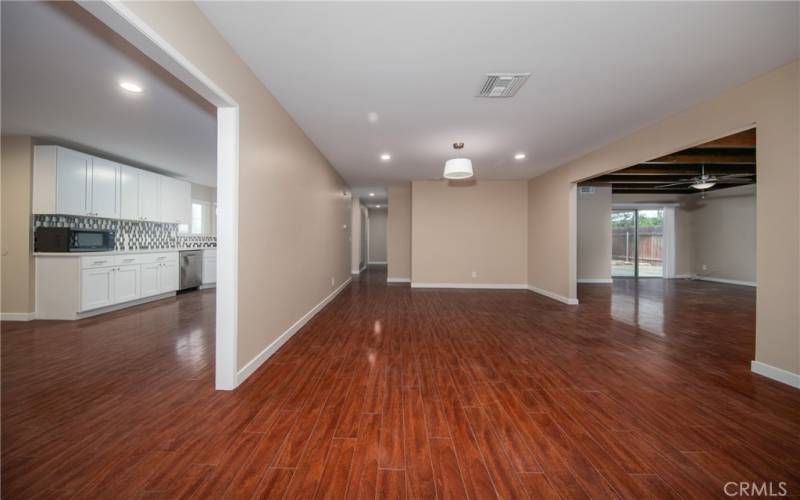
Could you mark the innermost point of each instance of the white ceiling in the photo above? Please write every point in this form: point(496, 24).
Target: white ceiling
point(60, 73)
point(599, 72)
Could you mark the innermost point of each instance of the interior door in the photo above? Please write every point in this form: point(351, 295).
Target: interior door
point(72, 171)
point(623, 243)
point(104, 188)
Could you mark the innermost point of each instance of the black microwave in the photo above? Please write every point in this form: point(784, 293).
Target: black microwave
point(64, 239)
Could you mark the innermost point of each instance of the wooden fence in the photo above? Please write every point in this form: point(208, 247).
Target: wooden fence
point(651, 244)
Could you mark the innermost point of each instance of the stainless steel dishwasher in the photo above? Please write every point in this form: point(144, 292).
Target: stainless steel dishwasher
point(191, 269)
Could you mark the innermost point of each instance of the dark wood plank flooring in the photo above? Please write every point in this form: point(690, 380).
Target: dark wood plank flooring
point(643, 390)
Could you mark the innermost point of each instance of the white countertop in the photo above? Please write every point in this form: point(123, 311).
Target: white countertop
point(118, 252)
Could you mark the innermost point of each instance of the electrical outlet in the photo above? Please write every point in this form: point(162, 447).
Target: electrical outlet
point(474, 274)
point(705, 267)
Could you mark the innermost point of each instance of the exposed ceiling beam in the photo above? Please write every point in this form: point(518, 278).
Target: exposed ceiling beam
point(652, 191)
point(637, 179)
point(727, 155)
point(684, 169)
point(745, 139)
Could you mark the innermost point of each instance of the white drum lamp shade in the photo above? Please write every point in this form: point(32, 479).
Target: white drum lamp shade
point(458, 168)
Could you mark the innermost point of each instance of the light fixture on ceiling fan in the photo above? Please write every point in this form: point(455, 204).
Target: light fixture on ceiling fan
point(458, 168)
point(703, 182)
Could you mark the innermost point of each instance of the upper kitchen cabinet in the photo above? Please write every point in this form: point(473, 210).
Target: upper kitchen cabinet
point(140, 194)
point(72, 183)
point(103, 189)
point(176, 201)
point(67, 182)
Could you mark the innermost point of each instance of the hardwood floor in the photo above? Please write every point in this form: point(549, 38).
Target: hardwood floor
point(643, 390)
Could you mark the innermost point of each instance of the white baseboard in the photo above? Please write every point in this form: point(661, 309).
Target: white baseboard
point(492, 286)
point(381, 262)
point(355, 272)
point(775, 373)
point(264, 355)
point(715, 280)
point(207, 285)
point(595, 280)
point(398, 280)
point(552, 295)
point(363, 268)
point(17, 316)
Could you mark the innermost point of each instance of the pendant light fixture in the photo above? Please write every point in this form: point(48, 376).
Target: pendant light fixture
point(458, 168)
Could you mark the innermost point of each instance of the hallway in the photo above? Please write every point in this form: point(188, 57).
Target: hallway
point(643, 390)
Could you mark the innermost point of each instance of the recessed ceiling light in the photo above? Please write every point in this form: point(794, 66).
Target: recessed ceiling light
point(519, 156)
point(377, 206)
point(372, 194)
point(131, 87)
point(386, 157)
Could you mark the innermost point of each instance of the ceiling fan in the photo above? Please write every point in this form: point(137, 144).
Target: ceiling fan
point(704, 181)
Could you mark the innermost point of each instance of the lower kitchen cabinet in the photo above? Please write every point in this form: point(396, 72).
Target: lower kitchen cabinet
point(71, 287)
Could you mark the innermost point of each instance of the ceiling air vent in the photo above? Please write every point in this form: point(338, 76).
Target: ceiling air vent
point(586, 189)
point(502, 84)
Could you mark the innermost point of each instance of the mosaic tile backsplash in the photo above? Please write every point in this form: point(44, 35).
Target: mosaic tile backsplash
point(131, 235)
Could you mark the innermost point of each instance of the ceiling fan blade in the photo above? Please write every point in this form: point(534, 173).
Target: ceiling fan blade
point(736, 175)
point(664, 186)
point(734, 181)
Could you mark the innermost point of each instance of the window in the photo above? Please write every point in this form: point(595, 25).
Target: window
point(197, 218)
point(203, 218)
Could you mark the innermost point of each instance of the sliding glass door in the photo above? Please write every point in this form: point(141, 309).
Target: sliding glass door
point(637, 243)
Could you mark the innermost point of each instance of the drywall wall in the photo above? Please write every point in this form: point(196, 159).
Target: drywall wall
point(463, 228)
point(204, 193)
point(723, 233)
point(398, 237)
point(594, 234)
point(771, 103)
point(16, 267)
point(294, 208)
point(683, 225)
point(377, 236)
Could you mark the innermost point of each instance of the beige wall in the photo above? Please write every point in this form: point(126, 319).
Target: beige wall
point(398, 237)
point(293, 212)
point(204, 193)
point(594, 234)
point(724, 233)
point(770, 102)
point(458, 229)
point(377, 235)
point(16, 267)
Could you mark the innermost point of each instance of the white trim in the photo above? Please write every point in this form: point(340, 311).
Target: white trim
point(595, 280)
point(123, 21)
point(716, 280)
point(622, 206)
point(363, 268)
point(377, 262)
point(355, 272)
point(17, 316)
point(264, 355)
point(775, 373)
point(227, 297)
point(398, 280)
point(491, 286)
point(668, 270)
point(552, 295)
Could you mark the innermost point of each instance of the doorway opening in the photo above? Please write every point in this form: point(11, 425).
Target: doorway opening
point(637, 243)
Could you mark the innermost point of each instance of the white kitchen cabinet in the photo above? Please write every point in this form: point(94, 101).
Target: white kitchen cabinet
point(149, 279)
point(126, 283)
point(140, 194)
point(149, 196)
point(129, 193)
point(72, 171)
point(103, 193)
point(97, 288)
point(209, 266)
point(176, 201)
point(169, 277)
